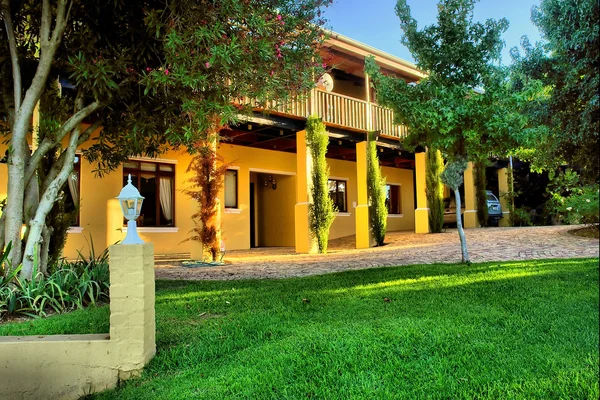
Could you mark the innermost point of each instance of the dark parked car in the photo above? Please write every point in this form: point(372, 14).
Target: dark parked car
point(493, 205)
point(494, 208)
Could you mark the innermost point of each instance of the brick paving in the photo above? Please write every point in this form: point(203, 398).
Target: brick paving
point(404, 248)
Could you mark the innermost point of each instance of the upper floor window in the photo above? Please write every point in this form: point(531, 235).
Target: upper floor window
point(156, 182)
point(392, 199)
point(337, 192)
point(231, 188)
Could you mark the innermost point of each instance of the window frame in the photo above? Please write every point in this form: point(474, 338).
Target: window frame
point(337, 191)
point(398, 188)
point(158, 173)
point(237, 180)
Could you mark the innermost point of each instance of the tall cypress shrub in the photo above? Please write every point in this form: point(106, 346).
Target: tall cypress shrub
point(378, 211)
point(321, 208)
point(435, 190)
point(480, 183)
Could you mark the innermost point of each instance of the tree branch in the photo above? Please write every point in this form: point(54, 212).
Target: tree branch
point(14, 56)
point(47, 144)
point(46, 18)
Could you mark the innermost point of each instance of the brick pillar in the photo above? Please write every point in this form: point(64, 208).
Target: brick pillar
point(470, 220)
point(303, 239)
point(422, 210)
point(502, 189)
point(132, 323)
point(364, 236)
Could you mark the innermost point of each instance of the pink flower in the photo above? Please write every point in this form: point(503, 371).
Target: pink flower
point(207, 64)
point(282, 23)
point(279, 55)
point(148, 69)
point(278, 17)
point(272, 72)
point(324, 65)
point(166, 72)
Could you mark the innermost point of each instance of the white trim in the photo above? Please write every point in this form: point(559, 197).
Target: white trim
point(154, 160)
point(342, 214)
point(395, 215)
point(394, 184)
point(422, 209)
point(75, 229)
point(271, 171)
point(154, 229)
point(302, 203)
point(228, 210)
point(337, 178)
point(234, 167)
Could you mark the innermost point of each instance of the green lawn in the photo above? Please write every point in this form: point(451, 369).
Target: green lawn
point(510, 330)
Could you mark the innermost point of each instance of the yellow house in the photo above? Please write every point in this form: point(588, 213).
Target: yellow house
point(264, 202)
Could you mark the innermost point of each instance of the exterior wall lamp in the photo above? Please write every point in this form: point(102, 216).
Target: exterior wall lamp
point(270, 181)
point(131, 201)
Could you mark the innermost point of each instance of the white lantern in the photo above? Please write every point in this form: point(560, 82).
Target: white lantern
point(131, 201)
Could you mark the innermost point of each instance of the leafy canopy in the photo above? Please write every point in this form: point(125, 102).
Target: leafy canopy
point(563, 69)
point(463, 107)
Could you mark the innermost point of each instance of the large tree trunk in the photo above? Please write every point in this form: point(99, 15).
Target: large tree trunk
point(49, 41)
point(47, 200)
point(459, 227)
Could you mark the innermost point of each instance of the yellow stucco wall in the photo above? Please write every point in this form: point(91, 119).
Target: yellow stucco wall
point(100, 216)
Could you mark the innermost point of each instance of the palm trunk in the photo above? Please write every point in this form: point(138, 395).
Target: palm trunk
point(459, 226)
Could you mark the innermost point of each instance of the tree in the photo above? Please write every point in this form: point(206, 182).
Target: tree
point(378, 210)
point(150, 73)
point(435, 190)
point(461, 107)
point(321, 210)
point(563, 70)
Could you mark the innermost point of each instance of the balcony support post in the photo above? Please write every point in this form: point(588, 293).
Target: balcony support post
point(364, 237)
point(422, 210)
point(504, 189)
point(303, 240)
point(470, 220)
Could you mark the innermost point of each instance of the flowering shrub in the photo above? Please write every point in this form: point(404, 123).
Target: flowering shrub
point(573, 203)
point(581, 207)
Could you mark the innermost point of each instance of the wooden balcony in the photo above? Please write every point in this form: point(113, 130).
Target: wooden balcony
point(339, 111)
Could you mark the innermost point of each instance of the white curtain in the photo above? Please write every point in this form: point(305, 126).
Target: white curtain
point(73, 183)
point(166, 197)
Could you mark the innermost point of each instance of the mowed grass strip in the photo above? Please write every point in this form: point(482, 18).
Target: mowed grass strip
point(516, 330)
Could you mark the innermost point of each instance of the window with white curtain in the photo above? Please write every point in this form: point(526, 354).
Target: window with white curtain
point(156, 182)
point(231, 188)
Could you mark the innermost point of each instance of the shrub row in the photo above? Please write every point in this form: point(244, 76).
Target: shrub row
point(69, 286)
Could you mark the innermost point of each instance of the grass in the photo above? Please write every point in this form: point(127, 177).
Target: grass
point(515, 330)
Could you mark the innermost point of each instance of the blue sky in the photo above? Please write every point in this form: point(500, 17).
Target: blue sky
point(375, 23)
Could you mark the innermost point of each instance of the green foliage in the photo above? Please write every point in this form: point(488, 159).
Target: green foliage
point(208, 171)
point(453, 174)
point(72, 285)
point(564, 69)
point(378, 211)
point(321, 210)
point(521, 216)
point(435, 190)
point(481, 197)
point(523, 330)
point(571, 202)
point(443, 111)
point(221, 58)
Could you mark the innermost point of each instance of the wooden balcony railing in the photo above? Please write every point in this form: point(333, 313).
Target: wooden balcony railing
point(340, 111)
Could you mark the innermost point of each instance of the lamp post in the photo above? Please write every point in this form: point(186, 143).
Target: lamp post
point(131, 201)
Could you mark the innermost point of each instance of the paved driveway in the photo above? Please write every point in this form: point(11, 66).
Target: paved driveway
point(404, 248)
